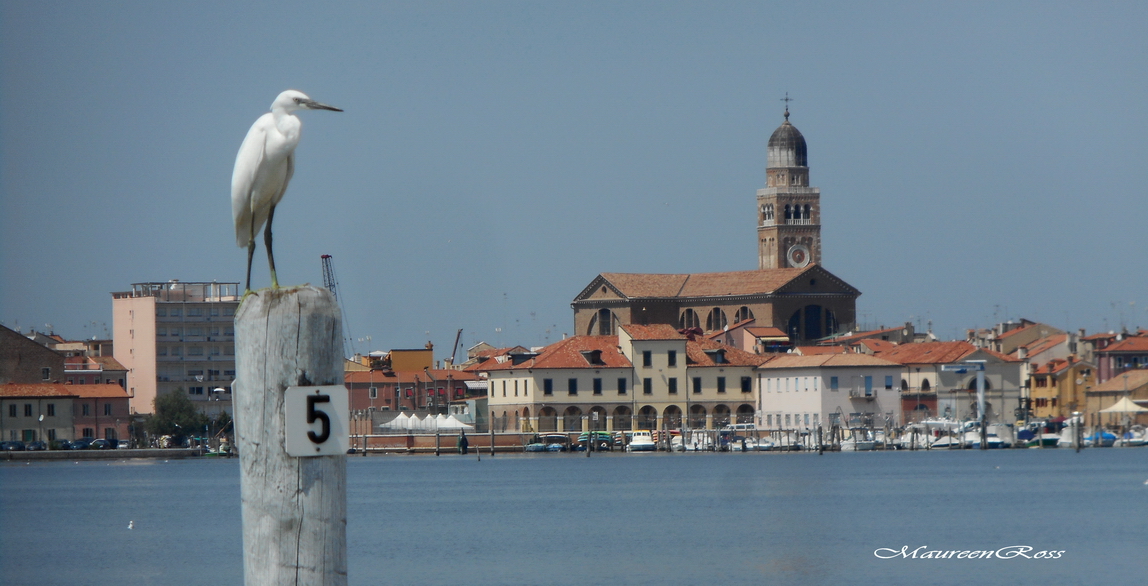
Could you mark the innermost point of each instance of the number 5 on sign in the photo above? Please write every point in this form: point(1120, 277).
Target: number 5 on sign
point(318, 419)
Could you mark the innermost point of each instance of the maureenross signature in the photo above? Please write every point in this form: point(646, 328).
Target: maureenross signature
point(1011, 552)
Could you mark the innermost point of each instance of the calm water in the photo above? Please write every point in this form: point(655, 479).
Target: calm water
point(609, 519)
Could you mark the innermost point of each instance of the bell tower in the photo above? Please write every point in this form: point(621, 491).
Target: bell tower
point(788, 209)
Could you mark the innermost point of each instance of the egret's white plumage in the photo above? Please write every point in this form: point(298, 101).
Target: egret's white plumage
point(263, 168)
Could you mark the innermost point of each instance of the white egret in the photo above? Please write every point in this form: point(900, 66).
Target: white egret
point(263, 168)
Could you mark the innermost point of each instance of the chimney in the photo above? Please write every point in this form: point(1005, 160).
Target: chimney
point(1022, 352)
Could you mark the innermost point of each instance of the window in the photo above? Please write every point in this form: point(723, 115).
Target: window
point(176, 312)
point(27, 409)
point(647, 358)
point(721, 384)
point(621, 386)
point(597, 386)
point(515, 387)
point(888, 382)
point(547, 386)
point(787, 415)
point(647, 386)
point(195, 312)
point(672, 358)
point(373, 392)
point(45, 373)
point(51, 435)
point(697, 385)
point(572, 386)
point(503, 388)
point(107, 408)
point(161, 312)
point(161, 331)
point(672, 384)
point(525, 388)
point(746, 384)
point(177, 351)
point(51, 409)
point(868, 386)
point(833, 383)
point(86, 409)
point(195, 351)
point(89, 432)
point(12, 410)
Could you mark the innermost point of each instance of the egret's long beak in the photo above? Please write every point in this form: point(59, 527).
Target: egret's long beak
point(313, 105)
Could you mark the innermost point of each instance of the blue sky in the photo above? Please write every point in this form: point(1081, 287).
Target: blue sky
point(977, 162)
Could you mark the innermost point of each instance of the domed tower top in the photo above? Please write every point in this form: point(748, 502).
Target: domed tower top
point(786, 147)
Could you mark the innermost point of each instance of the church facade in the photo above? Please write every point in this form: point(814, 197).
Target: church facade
point(790, 290)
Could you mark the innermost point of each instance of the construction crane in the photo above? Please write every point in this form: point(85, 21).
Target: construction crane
point(454, 349)
point(331, 284)
point(329, 276)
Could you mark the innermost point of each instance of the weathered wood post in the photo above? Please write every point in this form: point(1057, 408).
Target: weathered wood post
point(294, 508)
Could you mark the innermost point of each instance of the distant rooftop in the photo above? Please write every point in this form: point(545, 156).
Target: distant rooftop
point(177, 291)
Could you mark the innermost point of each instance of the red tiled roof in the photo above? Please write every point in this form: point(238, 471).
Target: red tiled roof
point(407, 376)
point(568, 353)
point(1099, 336)
point(653, 332)
point(702, 284)
point(876, 345)
point(1133, 344)
point(109, 363)
point(99, 391)
point(1052, 366)
point(938, 353)
point(826, 360)
point(1136, 379)
point(697, 355)
point(1015, 331)
point(1040, 345)
point(815, 350)
point(38, 390)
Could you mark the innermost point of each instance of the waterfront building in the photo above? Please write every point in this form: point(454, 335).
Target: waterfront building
point(842, 389)
point(790, 291)
point(1131, 384)
point(175, 336)
point(643, 377)
point(54, 411)
point(927, 390)
point(94, 370)
point(1125, 352)
point(1057, 387)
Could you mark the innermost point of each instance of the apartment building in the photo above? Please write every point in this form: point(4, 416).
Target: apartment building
point(176, 336)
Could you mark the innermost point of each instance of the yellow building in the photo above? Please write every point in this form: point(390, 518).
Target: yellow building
point(1057, 387)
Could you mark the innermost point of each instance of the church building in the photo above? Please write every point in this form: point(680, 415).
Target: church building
point(790, 290)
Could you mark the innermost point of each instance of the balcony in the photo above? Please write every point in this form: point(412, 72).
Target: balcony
point(861, 394)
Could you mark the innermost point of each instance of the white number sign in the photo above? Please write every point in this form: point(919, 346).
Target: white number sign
point(318, 420)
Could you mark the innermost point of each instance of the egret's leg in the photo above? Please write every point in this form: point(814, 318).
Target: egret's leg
point(267, 241)
point(250, 255)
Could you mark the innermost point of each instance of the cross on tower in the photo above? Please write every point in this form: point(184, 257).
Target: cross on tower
point(787, 100)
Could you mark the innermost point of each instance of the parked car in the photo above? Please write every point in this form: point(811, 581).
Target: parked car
point(60, 444)
point(80, 444)
point(37, 446)
point(12, 446)
point(101, 444)
point(123, 445)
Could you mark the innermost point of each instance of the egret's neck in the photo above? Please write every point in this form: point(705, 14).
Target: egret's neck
point(288, 124)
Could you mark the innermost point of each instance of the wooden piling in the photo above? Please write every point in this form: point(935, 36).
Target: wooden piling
point(294, 509)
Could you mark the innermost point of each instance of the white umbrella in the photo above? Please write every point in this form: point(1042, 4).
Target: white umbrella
point(1124, 406)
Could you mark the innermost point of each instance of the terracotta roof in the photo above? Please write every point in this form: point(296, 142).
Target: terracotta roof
point(573, 352)
point(929, 352)
point(1052, 366)
point(826, 361)
point(1043, 344)
point(1099, 336)
point(38, 390)
point(702, 284)
point(815, 350)
point(99, 391)
point(1014, 331)
point(391, 377)
point(1134, 344)
point(938, 353)
point(653, 332)
point(697, 355)
point(1136, 379)
point(876, 345)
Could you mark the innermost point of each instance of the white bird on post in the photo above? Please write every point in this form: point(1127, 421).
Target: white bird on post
point(263, 168)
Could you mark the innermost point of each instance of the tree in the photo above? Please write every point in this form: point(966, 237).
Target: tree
point(175, 414)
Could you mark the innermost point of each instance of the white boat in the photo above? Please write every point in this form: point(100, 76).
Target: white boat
point(1134, 437)
point(946, 442)
point(641, 441)
point(858, 441)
